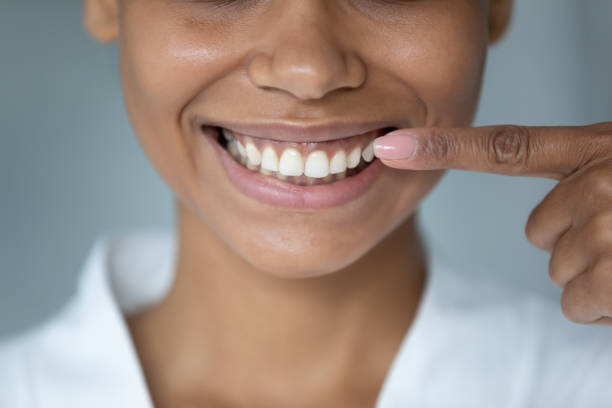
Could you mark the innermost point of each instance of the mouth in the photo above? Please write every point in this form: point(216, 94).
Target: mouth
point(336, 167)
point(301, 163)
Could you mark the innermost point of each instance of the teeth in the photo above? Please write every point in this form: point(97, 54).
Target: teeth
point(354, 158)
point(317, 165)
point(316, 168)
point(291, 163)
point(253, 154)
point(232, 147)
point(338, 163)
point(269, 161)
point(368, 152)
point(241, 149)
point(227, 135)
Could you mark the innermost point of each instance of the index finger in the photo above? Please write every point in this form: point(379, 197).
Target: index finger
point(535, 151)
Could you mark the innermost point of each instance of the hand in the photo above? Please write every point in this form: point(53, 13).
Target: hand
point(573, 222)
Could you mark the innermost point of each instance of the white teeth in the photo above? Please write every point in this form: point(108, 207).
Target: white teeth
point(227, 135)
point(338, 163)
point(317, 165)
point(269, 161)
point(368, 152)
point(253, 154)
point(241, 148)
point(291, 163)
point(354, 158)
point(232, 148)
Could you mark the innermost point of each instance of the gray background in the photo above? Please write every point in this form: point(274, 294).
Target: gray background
point(70, 168)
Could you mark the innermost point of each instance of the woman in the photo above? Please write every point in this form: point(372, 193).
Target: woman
point(299, 138)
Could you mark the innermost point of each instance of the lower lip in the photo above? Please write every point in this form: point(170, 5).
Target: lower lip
point(275, 192)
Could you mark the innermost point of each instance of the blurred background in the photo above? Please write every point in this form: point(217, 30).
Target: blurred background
point(70, 168)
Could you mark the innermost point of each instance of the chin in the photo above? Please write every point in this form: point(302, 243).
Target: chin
point(293, 260)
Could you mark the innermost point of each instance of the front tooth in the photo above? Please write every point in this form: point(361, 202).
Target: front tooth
point(269, 161)
point(338, 163)
point(317, 165)
point(368, 152)
point(253, 154)
point(291, 163)
point(354, 158)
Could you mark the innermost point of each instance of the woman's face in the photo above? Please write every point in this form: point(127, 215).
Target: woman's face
point(313, 65)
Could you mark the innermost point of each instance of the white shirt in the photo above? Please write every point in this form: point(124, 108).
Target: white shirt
point(471, 344)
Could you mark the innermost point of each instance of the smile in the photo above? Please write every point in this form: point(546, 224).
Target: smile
point(335, 167)
point(303, 163)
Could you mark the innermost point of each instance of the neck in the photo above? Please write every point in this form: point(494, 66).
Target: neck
point(223, 318)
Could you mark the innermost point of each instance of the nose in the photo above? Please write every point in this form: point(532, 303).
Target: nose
point(303, 57)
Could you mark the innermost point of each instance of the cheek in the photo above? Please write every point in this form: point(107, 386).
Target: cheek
point(450, 79)
point(442, 59)
point(162, 70)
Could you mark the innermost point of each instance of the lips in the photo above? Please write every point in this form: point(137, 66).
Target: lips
point(297, 174)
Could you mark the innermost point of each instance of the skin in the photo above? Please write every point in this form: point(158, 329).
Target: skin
point(277, 307)
point(573, 222)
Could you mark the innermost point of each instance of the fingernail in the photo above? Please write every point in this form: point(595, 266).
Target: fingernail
point(395, 146)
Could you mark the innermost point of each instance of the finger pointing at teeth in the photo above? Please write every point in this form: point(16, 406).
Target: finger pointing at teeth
point(573, 222)
point(551, 152)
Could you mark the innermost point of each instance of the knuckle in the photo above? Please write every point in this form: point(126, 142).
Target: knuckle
point(536, 237)
point(570, 304)
point(602, 281)
point(557, 265)
point(568, 308)
point(602, 271)
point(509, 145)
point(554, 272)
point(533, 228)
point(596, 144)
point(436, 146)
point(599, 230)
point(597, 184)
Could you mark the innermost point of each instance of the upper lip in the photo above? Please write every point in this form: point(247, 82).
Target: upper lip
point(291, 131)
